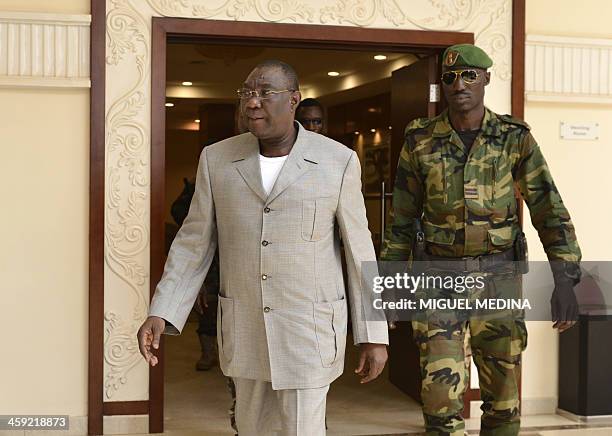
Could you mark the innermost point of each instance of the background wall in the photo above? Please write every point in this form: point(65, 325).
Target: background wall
point(47, 6)
point(580, 169)
point(589, 18)
point(44, 186)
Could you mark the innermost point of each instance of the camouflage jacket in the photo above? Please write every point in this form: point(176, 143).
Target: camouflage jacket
point(467, 202)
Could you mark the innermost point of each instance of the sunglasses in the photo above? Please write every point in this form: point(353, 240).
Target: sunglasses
point(468, 76)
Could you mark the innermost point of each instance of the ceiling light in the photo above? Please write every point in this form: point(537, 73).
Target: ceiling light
point(187, 83)
point(333, 73)
point(380, 57)
point(356, 133)
point(197, 121)
point(390, 127)
point(169, 104)
point(373, 130)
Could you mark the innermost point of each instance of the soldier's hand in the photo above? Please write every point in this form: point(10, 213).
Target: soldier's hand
point(149, 335)
point(564, 306)
point(372, 361)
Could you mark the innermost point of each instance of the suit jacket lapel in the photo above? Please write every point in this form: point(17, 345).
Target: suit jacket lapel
point(248, 166)
point(295, 166)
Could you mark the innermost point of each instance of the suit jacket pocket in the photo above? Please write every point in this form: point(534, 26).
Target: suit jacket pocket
point(225, 327)
point(317, 218)
point(330, 328)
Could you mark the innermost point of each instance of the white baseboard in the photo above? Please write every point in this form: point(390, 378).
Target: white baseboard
point(539, 406)
point(126, 424)
point(601, 419)
point(529, 406)
point(77, 426)
point(113, 425)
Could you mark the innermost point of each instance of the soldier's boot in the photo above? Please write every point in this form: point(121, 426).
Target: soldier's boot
point(444, 425)
point(499, 394)
point(209, 357)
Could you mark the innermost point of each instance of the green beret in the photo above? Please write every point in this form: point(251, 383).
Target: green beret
point(466, 55)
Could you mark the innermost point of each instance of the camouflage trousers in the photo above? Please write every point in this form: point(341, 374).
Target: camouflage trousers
point(497, 341)
point(232, 411)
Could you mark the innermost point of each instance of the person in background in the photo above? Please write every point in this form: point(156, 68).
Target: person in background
point(311, 115)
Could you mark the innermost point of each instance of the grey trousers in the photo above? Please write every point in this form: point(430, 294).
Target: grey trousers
point(262, 411)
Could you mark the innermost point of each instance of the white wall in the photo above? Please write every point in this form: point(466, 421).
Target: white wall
point(587, 18)
point(47, 6)
point(44, 186)
point(580, 170)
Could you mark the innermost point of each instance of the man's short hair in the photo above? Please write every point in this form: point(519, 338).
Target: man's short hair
point(310, 102)
point(287, 70)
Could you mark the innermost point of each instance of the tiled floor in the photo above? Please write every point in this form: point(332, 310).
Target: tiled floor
point(197, 402)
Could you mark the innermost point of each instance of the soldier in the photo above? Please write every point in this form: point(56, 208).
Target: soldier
point(456, 174)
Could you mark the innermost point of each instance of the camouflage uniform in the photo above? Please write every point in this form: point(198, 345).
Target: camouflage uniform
point(465, 199)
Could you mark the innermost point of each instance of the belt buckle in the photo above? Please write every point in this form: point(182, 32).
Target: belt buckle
point(471, 264)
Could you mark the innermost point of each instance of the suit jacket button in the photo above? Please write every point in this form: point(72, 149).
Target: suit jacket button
point(267, 210)
point(265, 243)
point(264, 277)
point(266, 309)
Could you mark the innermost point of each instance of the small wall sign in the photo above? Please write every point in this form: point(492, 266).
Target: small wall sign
point(588, 131)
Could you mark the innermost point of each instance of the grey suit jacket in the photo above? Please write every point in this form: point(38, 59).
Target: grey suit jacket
point(282, 305)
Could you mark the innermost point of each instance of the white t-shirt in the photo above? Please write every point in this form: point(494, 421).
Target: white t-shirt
point(270, 168)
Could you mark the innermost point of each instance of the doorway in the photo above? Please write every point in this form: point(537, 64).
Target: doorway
point(365, 96)
point(367, 106)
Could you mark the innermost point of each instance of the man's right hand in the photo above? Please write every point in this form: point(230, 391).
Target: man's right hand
point(149, 335)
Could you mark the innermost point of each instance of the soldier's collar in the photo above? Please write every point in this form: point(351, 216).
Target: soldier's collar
point(490, 125)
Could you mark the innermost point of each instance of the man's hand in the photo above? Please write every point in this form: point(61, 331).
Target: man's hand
point(372, 361)
point(149, 335)
point(564, 306)
point(201, 302)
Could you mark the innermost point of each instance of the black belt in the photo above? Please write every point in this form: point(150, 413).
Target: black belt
point(469, 264)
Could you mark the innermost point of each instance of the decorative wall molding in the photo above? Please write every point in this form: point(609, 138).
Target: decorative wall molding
point(44, 50)
point(126, 224)
point(489, 20)
point(572, 70)
point(128, 124)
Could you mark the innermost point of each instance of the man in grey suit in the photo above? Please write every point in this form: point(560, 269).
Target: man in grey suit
point(276, 200)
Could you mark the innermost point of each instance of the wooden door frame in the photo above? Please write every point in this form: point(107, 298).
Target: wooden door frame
point(279, 35)
point(285, 35)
